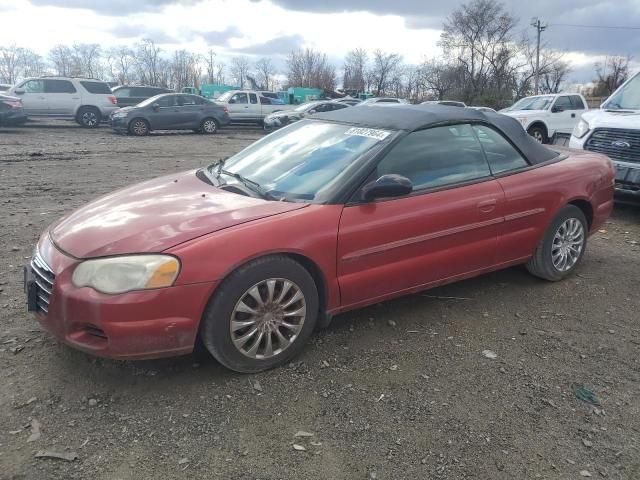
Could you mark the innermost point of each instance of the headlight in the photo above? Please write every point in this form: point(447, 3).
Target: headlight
point(581, 129)
point(123, 274)
point(522, 120)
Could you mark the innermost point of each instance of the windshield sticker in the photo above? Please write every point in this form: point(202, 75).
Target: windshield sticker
point(368, 132)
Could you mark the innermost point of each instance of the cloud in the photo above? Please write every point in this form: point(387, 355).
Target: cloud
point(114, 7)
point(220, 37)
point(142, 31)
point(276, 46)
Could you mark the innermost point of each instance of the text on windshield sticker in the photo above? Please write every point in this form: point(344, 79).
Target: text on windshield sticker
point(368, 132)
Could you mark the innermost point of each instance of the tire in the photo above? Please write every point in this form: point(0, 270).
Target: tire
point(89, 117)
point(139, 127)
point(539, 133)
point(264, 277)
point(568, 227)
point(209, 126)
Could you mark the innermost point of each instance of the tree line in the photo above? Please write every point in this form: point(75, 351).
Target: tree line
point(484, 60)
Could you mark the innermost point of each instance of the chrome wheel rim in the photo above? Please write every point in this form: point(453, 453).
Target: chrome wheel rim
point(139, 128)
point(268, 318)
point(568, 243)
point(90, 119)
point(537, 135)
point(209, 126)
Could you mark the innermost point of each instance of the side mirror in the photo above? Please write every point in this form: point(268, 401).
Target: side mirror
point(387, 186)
point(19, 91)
point(557, 109)
point(155, 106)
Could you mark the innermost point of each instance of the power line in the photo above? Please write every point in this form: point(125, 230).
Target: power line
point(608, 27)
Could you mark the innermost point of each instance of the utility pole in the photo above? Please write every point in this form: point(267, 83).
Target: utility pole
point(540, 27)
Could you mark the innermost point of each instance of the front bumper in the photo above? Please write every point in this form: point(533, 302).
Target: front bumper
point(134, 325)
point(119, 123)
point(15, 116)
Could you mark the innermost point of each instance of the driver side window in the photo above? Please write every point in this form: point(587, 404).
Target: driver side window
point(563, 102)
point(34, 86)
point(239, 98)
point(437, 157)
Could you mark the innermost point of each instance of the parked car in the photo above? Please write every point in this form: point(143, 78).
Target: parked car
point(484, 109)
point(4, 87)
point(614, 130)
point(171, 111)
point(449, 103)
point(132, 95)
point(326, 215)
point(249, 106)
point(280, 119)
point(11, 111)
point(542, 116)
point(381, 100)
point(86, 100)
point(349, 101)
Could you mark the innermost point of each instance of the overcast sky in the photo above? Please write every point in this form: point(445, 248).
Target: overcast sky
point(275, 27)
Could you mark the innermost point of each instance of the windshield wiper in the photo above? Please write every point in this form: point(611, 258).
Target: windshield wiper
point(250, 184)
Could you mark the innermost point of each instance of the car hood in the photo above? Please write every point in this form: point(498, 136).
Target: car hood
point(525, 113)
point(155, 215)
point(612, 119)
point(285, 113)
point(125, 109)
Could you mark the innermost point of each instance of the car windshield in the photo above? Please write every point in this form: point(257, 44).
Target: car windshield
point(627, 98)
point(533, 103)
point(149, 101)
point(303, 161)
point(225, 96)
point(305, 106)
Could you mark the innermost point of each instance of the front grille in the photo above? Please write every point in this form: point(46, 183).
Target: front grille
point(618, 143)
point(44, 279)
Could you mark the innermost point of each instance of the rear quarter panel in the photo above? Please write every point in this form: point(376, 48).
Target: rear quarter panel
point(534, 198)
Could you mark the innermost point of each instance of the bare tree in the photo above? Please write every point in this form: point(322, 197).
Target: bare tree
point(121, 61)
point(478, 36)
point(86, 60)
point(355, 70)
point(17, 62)
point(439, 79)
point(610, 75)
point(185, 69)
point(265, 70)
point(554, 76)
point(383, 69)
point(310, 68)
point(149, 63)
point(220, 68)
point(240, 69)
point(210, 59)
point(61, 56)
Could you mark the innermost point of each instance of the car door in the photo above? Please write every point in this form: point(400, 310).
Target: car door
point(33, 98)
point(191, 110)
point(62, 97)
point(255, 108)
point(239, 106)
point(529, 196)
point(562, 115)
point(445, 229)
point(166, 115)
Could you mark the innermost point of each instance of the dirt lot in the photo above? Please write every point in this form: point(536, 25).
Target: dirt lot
point(398, 390)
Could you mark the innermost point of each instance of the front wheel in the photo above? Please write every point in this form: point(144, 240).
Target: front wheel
point(262, 315)
point(89, 117)
point(562, 247)
point(539, 134)
point(139, 127)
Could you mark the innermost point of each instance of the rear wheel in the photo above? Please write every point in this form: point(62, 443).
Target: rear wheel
point(139, 127)
point(539, 133)
point(262, 315)
point(209, 126)
point(562, 247)
point(89, 117)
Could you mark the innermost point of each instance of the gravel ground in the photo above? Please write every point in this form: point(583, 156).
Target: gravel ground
point(397, 390)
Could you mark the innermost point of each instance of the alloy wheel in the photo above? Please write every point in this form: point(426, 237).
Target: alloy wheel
point(268, 318)
point(90, 119)
point(568, 243)
point(209, 126)
point(139, 127)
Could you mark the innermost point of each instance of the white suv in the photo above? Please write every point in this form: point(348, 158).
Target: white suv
point(542, 116)
point(86, 100)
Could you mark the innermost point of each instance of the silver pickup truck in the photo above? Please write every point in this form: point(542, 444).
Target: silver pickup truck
point(250, 106)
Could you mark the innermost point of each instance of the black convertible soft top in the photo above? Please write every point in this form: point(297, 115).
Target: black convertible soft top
point(417, 117)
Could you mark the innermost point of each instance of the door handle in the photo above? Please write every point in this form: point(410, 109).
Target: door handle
point(488, 205)
point(75, 98)
point(573, 115)
point(246, 106)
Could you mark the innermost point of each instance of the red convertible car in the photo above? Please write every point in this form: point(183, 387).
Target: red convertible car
point(251, 253)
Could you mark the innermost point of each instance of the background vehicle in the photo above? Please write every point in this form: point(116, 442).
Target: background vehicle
point(86, 100)
point(171, 111)
point(280, 119)
point(349, 101)
point(449, 103)
point(132, 95)
point(484, 109)
point(374, 100)
point(542, 116)
point(11, 111)
point(4, 87)
point(290, 220)
point(614, 130)
point(249, 106)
